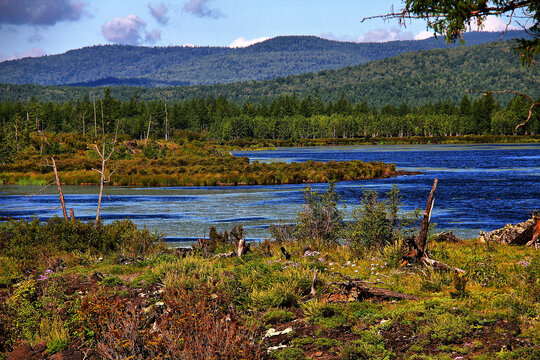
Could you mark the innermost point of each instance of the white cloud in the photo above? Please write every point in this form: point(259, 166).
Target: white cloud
point(423, 35)
point(241, 42)
point(159, 13)
point(383, 35)
point(492, 23)
point(124, 30)
point(200, 8)
point(332, 36)
point(34, 52)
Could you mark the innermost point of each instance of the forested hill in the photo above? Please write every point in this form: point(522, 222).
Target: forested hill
point(413, 78)
point(114, 65)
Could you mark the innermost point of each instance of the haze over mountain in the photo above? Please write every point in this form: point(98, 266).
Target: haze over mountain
point(111, 65)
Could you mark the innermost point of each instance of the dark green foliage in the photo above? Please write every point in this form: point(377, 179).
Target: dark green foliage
point(114, 65)
point(371, 346)
point(320, 221)
point(289, 354)
point(29, 240)
point(416, 78)
point(376, 222)
point(276, 316)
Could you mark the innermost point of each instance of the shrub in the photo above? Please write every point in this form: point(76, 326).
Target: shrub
point(289, 354)
point(447, 328)
point(371, 346)
point(483, 271)
point(324, 314)
point(276, 316)
point(320, 221)
point(375, 224)
point(27, 241)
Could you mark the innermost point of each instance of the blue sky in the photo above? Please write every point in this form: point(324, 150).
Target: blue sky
point(45, 27)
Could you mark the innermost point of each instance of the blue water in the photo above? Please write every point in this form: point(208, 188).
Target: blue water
point(481, 188)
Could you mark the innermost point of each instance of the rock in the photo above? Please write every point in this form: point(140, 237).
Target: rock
point(68, 355)
point(274, 348)
point(272, 332)
point(525, 233)
point(448, 236)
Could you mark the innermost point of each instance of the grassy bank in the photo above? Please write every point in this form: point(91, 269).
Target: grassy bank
point(173, 163)
point(113, 291)
point(412, 140)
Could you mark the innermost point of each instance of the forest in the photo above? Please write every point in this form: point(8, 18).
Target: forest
point(416, 78)
point(185, 65)
point(285, 118)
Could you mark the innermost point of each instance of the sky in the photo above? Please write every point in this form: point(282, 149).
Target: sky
point(46, 27)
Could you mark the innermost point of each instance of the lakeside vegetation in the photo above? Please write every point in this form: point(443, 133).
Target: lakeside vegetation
point(175, 163)
point(116, 292)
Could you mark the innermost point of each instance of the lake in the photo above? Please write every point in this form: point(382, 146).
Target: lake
point(481, 188)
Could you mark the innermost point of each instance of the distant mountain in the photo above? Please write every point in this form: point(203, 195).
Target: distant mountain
point(115, 65)
point(414, 78)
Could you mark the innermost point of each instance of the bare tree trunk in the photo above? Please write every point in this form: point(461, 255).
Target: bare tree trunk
point(166, 123)
point(72, 214)
point(421, 240)
point(104, 159)
point(95, 117)
point(148, 132)
point(60, 193)
point(102, 119)
point(41, 144)
point(418, 247)
point(17, 137)
point(102, 181)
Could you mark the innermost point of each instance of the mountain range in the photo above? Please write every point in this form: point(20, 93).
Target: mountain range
point(116, 65)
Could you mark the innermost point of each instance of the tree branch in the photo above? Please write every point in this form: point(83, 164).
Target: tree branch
point(527, 97)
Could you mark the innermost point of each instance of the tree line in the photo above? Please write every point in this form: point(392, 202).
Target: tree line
point(286, 117)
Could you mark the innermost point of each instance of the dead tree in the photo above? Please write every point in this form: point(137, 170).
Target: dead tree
point(166, 123)
point(104, 158)
point(95, 116)
point(102, 119)
point(60, 193)
point(418, 246)
point(148, 132)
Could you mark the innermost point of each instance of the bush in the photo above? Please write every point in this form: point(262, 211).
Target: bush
point(289, 354)
point(320, 221)
point(27, 241)
point(276, 316)
point(376, 224)
point(371, 346)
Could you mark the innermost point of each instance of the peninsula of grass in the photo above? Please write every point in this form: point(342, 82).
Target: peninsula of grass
point(173, 163)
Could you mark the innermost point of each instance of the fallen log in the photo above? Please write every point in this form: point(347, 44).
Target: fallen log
point(356, 290)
